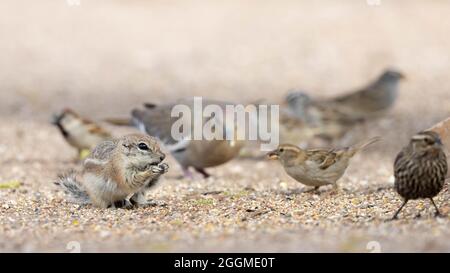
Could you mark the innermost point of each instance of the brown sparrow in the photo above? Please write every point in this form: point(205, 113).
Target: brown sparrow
point(79, 132)
point(420, 169)
point(156, 120)
point(370, 101)
point(355, 106)
point(117, 173)
point(316, 167)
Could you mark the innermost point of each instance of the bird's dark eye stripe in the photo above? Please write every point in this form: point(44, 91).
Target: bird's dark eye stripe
point(143, 146)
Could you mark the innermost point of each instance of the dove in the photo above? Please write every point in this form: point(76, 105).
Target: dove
point(157, 120)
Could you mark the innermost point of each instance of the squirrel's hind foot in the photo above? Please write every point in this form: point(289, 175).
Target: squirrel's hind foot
point(121, 204)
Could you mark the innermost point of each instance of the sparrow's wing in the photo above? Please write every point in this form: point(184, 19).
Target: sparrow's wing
point(325, 158)
point(398, 160)
point(328, 112)
point(96, 129)
point(376, 96)
point(352, 97)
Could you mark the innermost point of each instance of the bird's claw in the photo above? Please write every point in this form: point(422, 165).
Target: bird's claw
point(438, 214)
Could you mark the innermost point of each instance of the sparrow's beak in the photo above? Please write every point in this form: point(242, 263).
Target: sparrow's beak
point(56, 118)
point(273, 155)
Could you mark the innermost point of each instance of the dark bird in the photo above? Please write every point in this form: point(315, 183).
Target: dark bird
point(420, 169)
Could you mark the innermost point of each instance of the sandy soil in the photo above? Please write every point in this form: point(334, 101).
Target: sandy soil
point(105, 57)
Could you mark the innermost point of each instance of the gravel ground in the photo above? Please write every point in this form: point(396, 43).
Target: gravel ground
point(104, 58)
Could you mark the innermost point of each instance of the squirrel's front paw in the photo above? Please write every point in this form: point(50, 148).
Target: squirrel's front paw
point(160, 169)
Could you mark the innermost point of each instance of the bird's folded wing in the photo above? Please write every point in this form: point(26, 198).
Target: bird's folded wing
point(325, 158)
point(97, 130)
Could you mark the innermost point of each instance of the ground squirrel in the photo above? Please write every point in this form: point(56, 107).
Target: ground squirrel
point(117, 173)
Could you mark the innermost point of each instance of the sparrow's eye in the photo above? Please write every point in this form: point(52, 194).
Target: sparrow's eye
point(429, 141)
point(142, 146)
point(281, 150)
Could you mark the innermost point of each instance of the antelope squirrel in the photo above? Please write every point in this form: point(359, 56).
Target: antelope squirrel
point(117, 173)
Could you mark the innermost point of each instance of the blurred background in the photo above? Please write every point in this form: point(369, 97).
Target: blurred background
point(104, 57)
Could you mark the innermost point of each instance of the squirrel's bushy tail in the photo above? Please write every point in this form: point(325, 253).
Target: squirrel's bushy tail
point(73, 188)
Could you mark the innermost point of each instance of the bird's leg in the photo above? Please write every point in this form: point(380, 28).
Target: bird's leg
point(77, 159)
point(315, 189)
point(187, 173)
point(437, 214)
point(82, 154)
point(203, 172)
point(398, 211)
point(335, 189)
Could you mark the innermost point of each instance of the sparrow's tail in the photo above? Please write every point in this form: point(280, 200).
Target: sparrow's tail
point(73, 189)
point(363, 145)
point(119, 121)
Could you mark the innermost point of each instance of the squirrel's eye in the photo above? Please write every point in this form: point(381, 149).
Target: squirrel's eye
point(143, 146)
